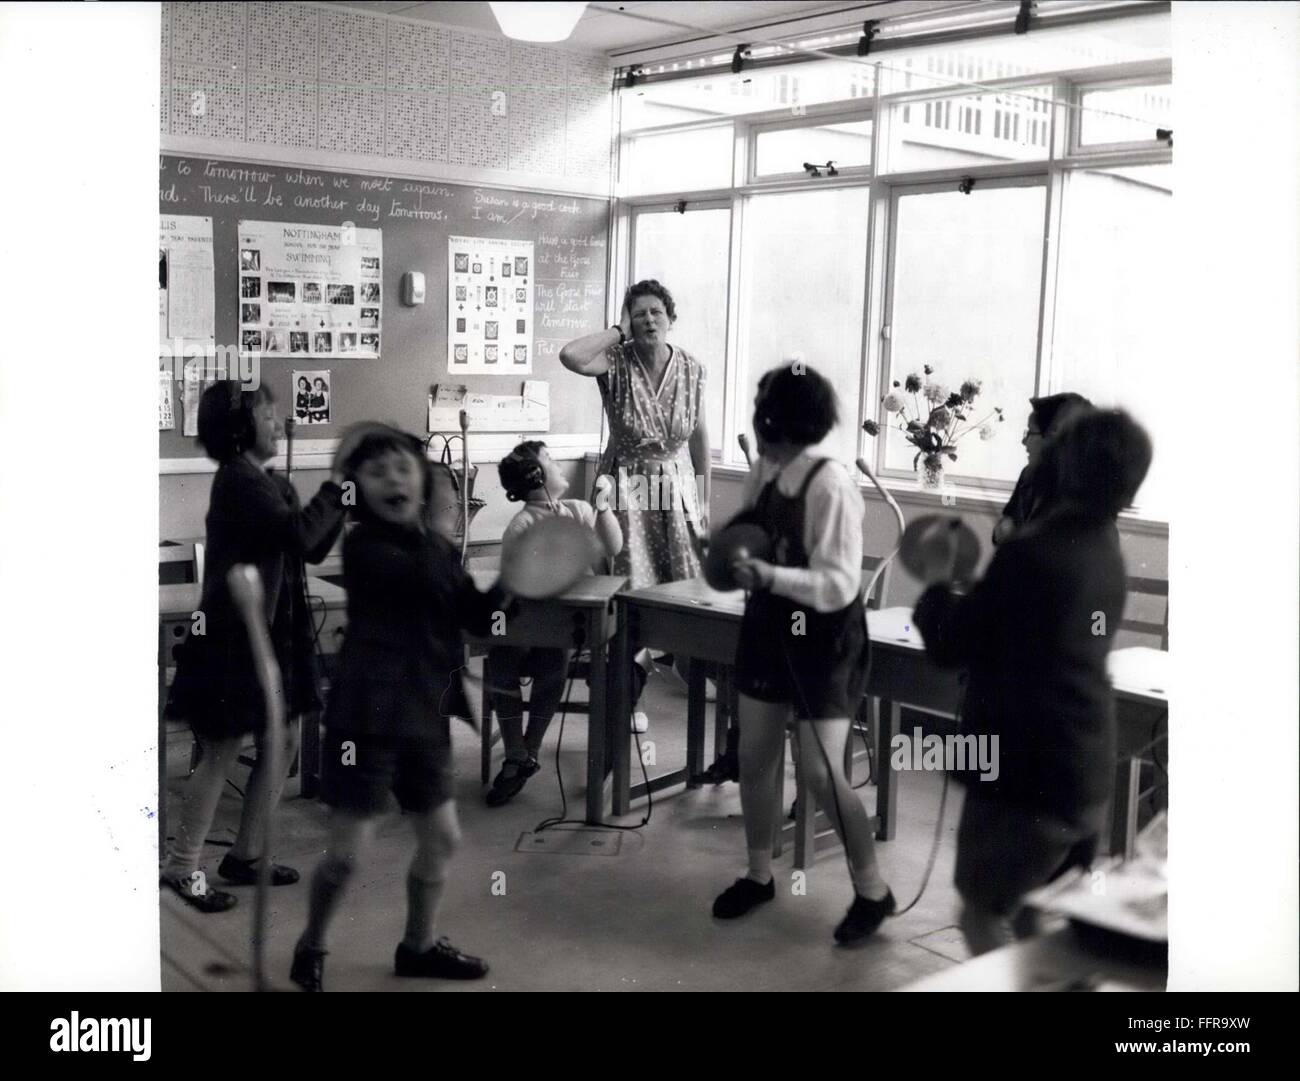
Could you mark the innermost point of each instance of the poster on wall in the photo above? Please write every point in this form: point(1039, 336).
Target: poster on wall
point(166, 410)
point(312, 397)
point(186, 297)
point(310, 290)
point(489, 305)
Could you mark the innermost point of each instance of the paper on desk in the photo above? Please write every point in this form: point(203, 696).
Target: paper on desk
point(1131, 897)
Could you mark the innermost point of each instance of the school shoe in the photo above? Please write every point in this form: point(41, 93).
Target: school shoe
point(863, 917)
point(510, 781)
point(440, 961)
point(308, 970)
point(205, 900)
point(741, 897)
point(244, 872)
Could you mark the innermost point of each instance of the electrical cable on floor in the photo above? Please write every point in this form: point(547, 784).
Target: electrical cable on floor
point(563, 819)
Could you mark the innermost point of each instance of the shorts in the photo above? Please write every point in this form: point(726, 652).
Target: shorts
point(359, 779)
point(1007, 849)
point(821, 673)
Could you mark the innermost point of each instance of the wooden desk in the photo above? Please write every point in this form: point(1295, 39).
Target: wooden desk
point(581, 617)
point(691, 619)
point(1057, 961)
point(1141, 678)
point(177, 605)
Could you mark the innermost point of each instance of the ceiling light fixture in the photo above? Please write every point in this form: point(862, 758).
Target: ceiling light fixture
point(537, 22)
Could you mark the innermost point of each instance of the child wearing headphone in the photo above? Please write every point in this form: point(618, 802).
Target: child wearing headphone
point(254, 516)
point(803, 641)
point(1034, 634)
point(399, 684)
point(530, 476)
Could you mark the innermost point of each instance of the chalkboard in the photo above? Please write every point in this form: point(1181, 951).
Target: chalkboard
point(416, 216)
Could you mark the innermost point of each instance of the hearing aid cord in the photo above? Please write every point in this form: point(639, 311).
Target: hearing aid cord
point(562, 819)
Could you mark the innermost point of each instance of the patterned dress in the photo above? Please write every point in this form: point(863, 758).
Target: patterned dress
point(649, 457)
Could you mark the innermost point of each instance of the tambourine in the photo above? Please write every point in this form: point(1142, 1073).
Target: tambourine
point(932, 541)
point(741, 538)
point(548, 558)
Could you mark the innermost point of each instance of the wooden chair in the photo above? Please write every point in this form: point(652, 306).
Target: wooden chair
point(811, 828)
point(1140, 772)
point(180, 562)
point(1149, 587)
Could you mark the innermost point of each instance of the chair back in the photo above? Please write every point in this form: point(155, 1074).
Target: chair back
point(880, 590)
point(1149, 587)
point(180, 563)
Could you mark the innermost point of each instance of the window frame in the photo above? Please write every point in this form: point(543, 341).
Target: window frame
point(1064, 155)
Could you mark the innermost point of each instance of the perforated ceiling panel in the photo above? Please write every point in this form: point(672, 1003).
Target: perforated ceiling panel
point(536, 109)
point(480, 86)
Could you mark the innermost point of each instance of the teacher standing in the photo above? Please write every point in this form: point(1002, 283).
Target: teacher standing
point(658, 450)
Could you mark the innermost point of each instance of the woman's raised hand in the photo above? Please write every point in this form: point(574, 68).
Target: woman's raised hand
point(625, 324)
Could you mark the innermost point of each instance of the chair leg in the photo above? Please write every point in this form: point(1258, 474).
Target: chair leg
point(778, 798)
point(805, 819)
point(485, 748)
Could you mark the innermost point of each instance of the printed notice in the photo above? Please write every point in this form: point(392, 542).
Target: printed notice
point(489, 305)
point(186, 300)
point(310, 290)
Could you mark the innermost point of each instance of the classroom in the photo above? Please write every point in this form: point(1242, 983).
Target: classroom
point(670, 497)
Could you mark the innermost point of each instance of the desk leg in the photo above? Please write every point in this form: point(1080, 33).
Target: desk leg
point(162, 744)
point(621, 722)
point(596, 727)
point(696, 690)
point(1123, 826)
point(889, 718)
point(722, 715)
point(309, 754)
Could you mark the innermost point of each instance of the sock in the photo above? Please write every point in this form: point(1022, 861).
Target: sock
point(327, 886)
point(422, 899)
point(868, 883)
point(760, 865)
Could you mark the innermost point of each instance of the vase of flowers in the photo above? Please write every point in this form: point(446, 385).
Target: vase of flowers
point(934, 419)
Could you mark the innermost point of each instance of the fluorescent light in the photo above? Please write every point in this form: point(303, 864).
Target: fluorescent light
point(537, 22)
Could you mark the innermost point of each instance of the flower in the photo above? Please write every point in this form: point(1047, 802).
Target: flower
point(953, 401)
point(939, 418)
point(970, 389)
point(893, 403)
point(912, 384)
point(871, 427)
point(935, 392)
point(927, 369)
point(987, 432)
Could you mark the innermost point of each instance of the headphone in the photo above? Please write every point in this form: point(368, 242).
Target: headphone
point(243, 425)
point(765, 425)
point(528, 474)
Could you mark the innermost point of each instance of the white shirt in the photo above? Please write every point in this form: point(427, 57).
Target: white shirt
point(832, 531)
point(532, 513)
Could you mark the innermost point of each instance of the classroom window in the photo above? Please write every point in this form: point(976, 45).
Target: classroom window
point(967, 141)
point(785, 150)
point(1127, 114)
point(966, 282)
point(688, 252)
point(802, 293)
point(691, 160)
point(1114, 298)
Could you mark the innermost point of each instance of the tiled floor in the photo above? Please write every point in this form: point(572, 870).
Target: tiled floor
point(634, 920)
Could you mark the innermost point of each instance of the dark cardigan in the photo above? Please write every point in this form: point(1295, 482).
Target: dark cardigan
point(1037, 669)
point(254, 516)
point(408, 599)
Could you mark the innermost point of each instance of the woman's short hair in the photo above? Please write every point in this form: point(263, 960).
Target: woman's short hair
point(1098, 460)
point(651, 288)
point(794, 404)
point(521, 470)
point(226, 424)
